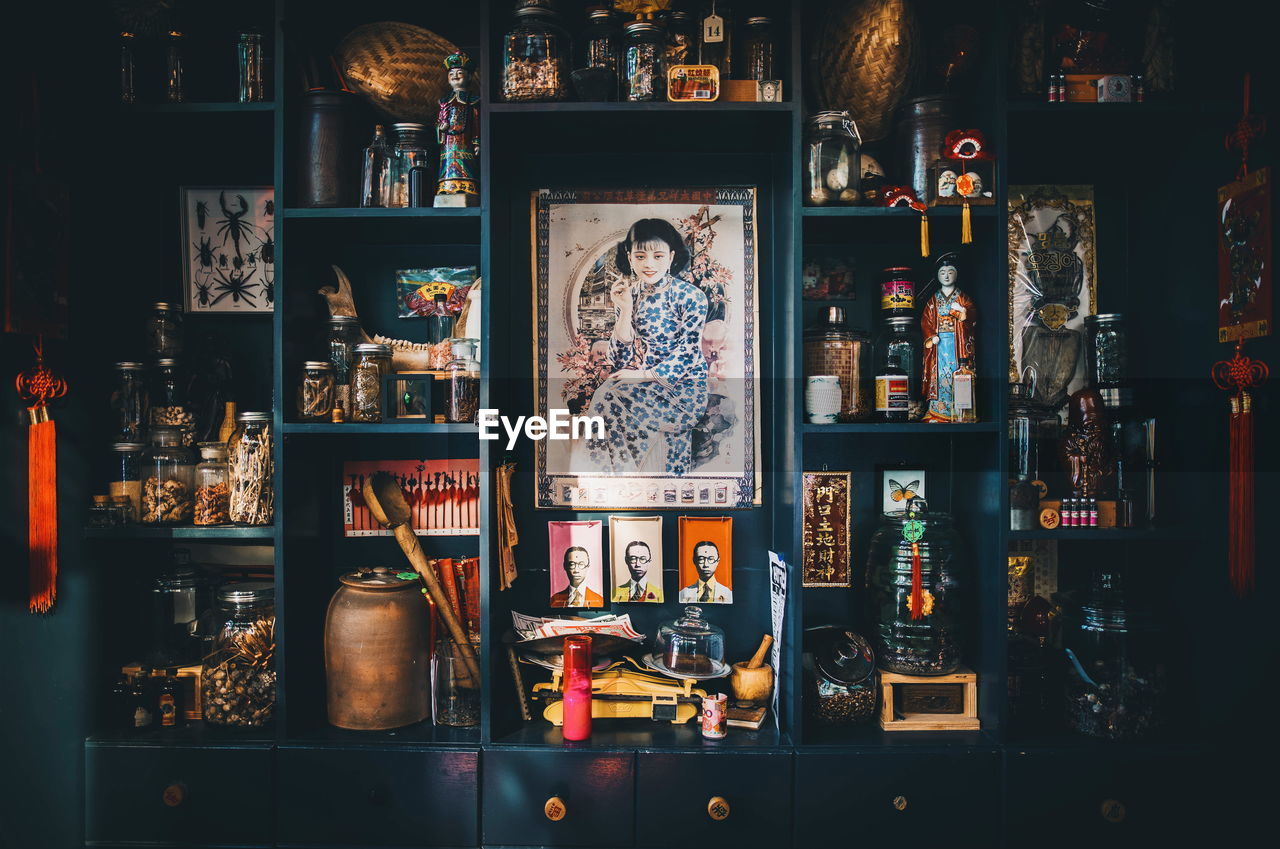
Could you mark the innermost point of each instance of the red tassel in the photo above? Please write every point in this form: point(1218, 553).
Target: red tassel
point(42, 512)
point(917, 584)
point(1237, 375)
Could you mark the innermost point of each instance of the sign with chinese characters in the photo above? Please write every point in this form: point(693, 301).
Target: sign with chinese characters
point(826, 529)
point(1244, 258)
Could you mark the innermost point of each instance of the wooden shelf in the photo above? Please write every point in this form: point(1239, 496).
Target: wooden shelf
point(630, 734)
point(901, 427)
point(421, 733)
point(360, 429)
point(1107, 534)
point(191, 734)
point(193, 108)
point(339, 213)
point(987, 211)
point(869, 736)
point(181, 532)
point(615, 106)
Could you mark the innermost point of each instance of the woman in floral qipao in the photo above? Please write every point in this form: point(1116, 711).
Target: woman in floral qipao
point(658, 389)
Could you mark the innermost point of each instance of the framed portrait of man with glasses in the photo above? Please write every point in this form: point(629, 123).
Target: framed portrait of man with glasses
point(635, 555)
point(706, 560)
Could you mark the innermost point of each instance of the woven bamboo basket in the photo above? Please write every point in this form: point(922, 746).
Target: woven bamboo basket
point(397, 67)
point(865, 60)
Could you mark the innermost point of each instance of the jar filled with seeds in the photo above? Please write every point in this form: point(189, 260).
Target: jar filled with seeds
point(251, 466)
point(315, 391)
point(535, 54)
point(213, 485)
point(841, 686)
point(238, 678)
point(463, 393)
point(373, 361)
point(164, 330)
point(127, 478)
point(129, 402)
point(169, 399)
point(168, 479)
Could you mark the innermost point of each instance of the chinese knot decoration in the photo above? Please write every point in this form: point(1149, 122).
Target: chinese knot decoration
point(38, 386)
point(1238, 375)
point(965, 146)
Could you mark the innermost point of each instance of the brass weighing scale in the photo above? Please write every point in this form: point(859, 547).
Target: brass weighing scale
point(624, 690)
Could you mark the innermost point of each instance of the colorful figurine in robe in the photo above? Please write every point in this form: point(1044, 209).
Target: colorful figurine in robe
point(947, 323)
point(657, 391)
point(458, 132)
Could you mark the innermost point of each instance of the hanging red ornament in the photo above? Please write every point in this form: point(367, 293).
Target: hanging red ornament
point(894, 196)
point(1238, 375)
point(38, 386)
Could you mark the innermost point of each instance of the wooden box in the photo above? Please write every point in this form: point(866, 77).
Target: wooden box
point(929, 702)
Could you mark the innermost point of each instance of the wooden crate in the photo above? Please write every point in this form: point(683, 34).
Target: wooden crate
point(963, 680)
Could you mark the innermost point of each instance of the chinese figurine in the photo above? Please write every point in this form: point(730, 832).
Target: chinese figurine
point(947, 324)
point(1086, 450)
point(458, 132)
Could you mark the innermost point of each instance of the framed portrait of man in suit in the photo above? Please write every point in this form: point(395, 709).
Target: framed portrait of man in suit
point(706, 560)
point(576, 567)
point(635, 559)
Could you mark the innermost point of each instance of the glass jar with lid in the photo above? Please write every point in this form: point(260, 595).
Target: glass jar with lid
point(897, 366)
point(682, 38)
point(833, 170)
point(535, 54)
point(103, 512)
point(463, 393)
point(831, 347)
point(645, 66)
point(164, 330)
point(213, 485)
point(759, 46)
point(1033, 434)
point(412, 150)
point(251, 470)
point(372, 363)
point(126, 478)
point(601, 44)
point(168, 398)
point(344, 333)
point(238, 676)
point(316, 391)
point(913, 594)
point(842, 686)
point(715, 37)
point(181, 613)
point(130, 402)
point(690, 645)
point(1106, 356)
point(168, 471)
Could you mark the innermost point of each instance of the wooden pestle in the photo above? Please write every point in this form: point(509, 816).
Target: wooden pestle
point(757, 659)
point(387, 505)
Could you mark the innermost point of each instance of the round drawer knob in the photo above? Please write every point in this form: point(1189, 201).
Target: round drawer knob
point(718, 808)
point(174, 795)
point(1113, 810)
point(555, 809)
point(900, 803)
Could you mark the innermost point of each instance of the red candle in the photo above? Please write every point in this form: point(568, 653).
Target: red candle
point(577, 687)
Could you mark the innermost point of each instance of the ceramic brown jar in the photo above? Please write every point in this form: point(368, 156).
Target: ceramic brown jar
point(376, 652)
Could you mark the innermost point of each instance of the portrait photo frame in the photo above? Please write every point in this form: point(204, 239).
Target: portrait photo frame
point(641, 537)
point(695, 533)
point(563, 538)
point(228, 249)
point(677, 390)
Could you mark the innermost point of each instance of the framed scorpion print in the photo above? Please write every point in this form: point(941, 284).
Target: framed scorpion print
point(228, 249)
point(645, 310)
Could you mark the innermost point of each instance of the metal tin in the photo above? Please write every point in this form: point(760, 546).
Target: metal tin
point(923, 125)
point(714, 725)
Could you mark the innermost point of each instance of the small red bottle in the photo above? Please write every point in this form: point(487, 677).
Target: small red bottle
point(577, 687)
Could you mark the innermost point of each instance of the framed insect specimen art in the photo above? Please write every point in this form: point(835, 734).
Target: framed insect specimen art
point(228, 249)
point(898, 484)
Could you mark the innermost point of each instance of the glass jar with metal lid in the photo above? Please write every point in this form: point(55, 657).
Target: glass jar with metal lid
point(645, 67)
point(238, 678)
point(168, 472)
point(535, 54)
point(463, 394)
point(601, 45)
point(759, 46)
point(251, 470)
point(164, 330)
point(126, 479)
point(1106, 355)
point(213, 485)
point(372, 363)
point(690, 645)
point(316, 391)
point(831, 347)
point(168, 399)
point(130, 402)
point(344, 333)
point(840, 677)
point(833, 172)
point(181, 613)
point(412, 150)
point(682, 38)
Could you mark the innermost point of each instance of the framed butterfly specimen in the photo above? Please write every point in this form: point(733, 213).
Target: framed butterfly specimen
point(899, 484)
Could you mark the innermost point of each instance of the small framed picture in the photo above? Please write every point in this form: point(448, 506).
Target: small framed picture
point(825, 528)
point(898, 484)
point(827, 274)
point(954, 182)
point(228, 249)
point(635, 559)
point(706, 560)
point(577, 564)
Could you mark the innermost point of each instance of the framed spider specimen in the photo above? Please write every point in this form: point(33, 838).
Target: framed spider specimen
point(228, 248)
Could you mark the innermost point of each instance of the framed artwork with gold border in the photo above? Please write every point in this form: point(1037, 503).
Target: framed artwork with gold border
point(826, 540)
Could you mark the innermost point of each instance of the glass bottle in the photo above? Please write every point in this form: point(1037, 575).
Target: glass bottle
point(130, 402)
point(181, 604)
point(682, 39)
point(645, 74)
point(375, 171)
point(168, 701)
point(164, 330)
point(439, 320)
point(128, 94)
point(315, 391)
point(463, 401)
point(238, 678)
point(251, 470)
point(577, 687)
point(455, 694)
point(168, 479)
point(759, 46)
point(962, 387)
point(535, 54)
point(344, 330)
point(601, 44)
point(373, 361)
point(412, 150)
point(833, 170)
point(139, 706)
point(830, 347)
point(169, 400)
point(897, 359)
point(127, 478)
point(715, 37)
point(173, 68)
point(213, 485)
point(897, 292)
point(249, 62)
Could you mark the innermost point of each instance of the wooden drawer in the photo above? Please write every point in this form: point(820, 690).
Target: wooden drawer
point(674, 792)
point(178, 795)
point(597, 790)
point(899, 797)
point(1113, 797)
point(377, 797)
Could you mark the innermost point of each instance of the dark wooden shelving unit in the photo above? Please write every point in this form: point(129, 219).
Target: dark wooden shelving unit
point(211, 534)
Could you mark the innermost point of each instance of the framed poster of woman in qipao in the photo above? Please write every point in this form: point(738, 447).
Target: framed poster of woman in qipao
point(645, 310)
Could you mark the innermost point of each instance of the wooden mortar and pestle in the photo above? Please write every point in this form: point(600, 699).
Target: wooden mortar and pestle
point(752, 680)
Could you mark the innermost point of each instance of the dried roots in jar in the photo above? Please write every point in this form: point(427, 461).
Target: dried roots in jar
point(213, 504)
point(167, 502)
point(238, 685)
point(251, 465)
